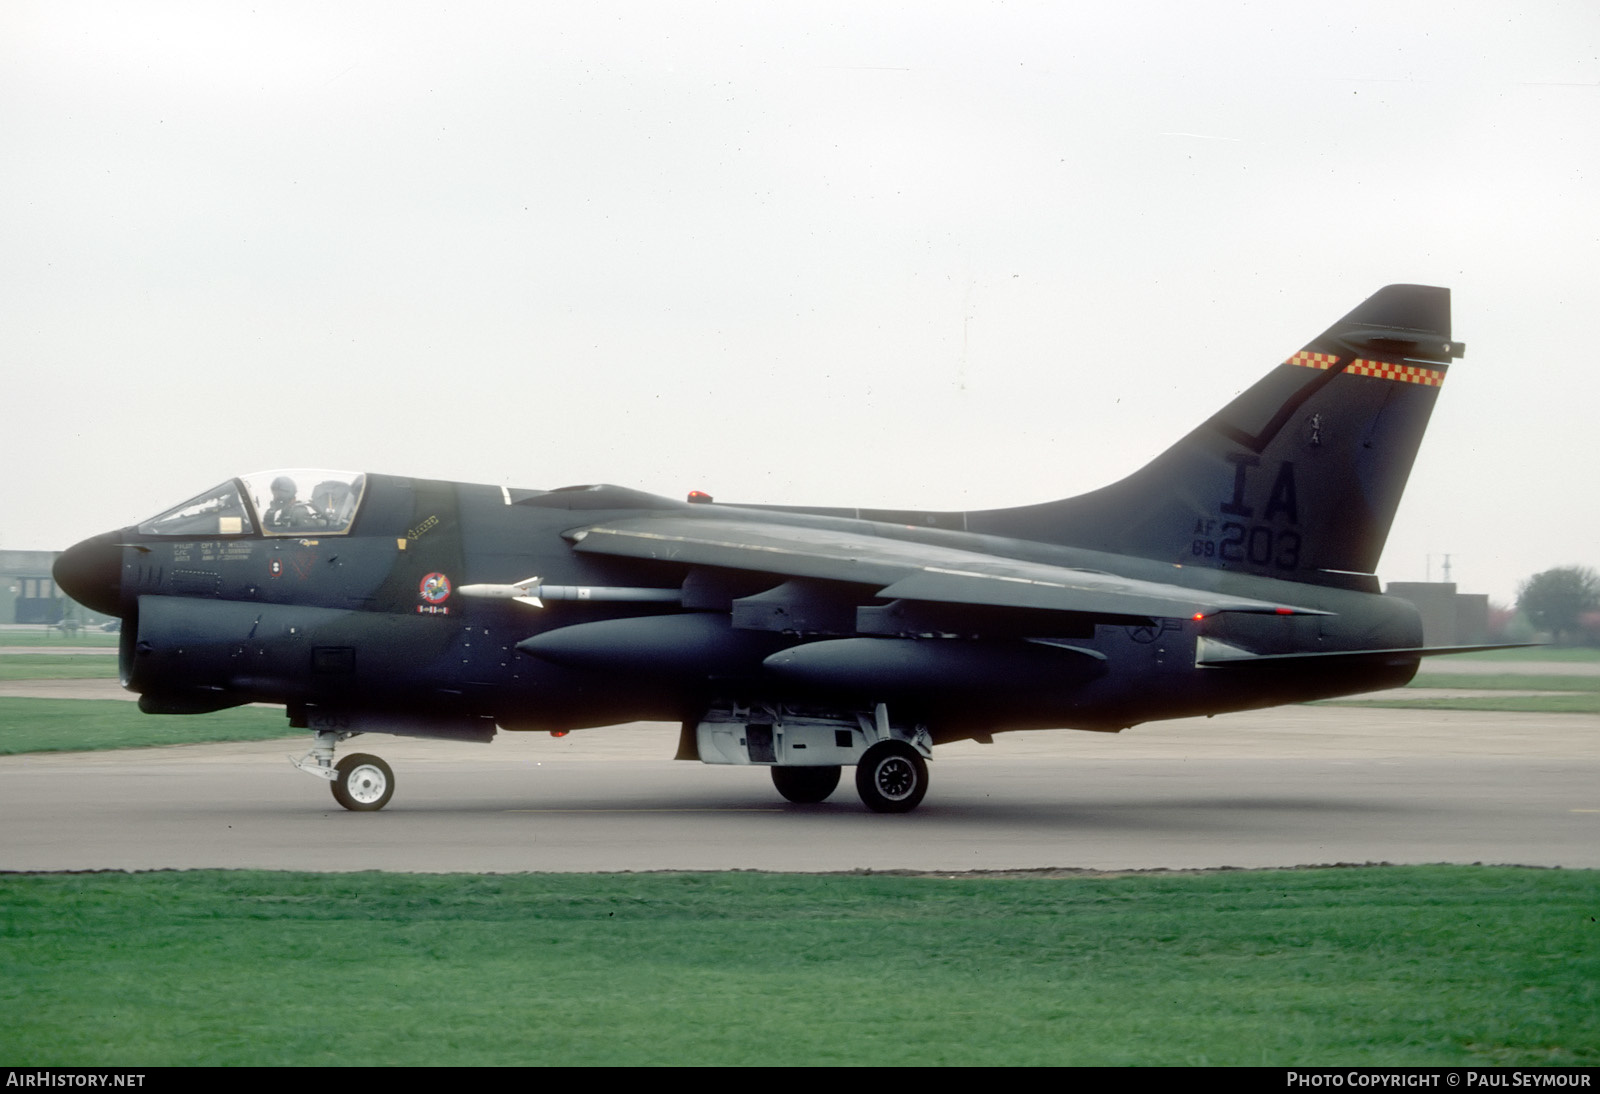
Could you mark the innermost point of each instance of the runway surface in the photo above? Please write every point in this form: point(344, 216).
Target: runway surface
point(1293, 786)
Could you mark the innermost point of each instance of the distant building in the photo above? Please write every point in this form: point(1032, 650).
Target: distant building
point(28, 593)
point(1449, 618)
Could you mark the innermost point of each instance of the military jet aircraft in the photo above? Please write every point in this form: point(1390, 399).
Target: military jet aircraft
point(1235, 571)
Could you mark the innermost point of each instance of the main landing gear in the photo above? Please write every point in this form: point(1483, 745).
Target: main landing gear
point(808, 748)
point(361, 783)
point(891, 777)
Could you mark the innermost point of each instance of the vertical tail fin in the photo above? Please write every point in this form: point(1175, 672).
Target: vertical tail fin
point(1297, 478)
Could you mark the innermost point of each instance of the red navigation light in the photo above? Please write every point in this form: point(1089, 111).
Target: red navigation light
point(699, 497)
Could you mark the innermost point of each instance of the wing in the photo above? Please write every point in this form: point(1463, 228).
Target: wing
point(907, 570)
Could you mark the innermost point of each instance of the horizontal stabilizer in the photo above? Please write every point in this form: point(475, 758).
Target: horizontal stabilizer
point(1214, 654)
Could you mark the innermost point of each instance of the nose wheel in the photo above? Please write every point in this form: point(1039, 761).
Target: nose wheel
point(363, 783)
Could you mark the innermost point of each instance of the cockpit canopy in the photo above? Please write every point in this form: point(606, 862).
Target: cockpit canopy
point(295, 501)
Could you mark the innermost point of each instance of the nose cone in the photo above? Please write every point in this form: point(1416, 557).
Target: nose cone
point(91, 573)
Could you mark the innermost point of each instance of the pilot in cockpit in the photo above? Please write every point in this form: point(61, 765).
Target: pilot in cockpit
point(287, 512)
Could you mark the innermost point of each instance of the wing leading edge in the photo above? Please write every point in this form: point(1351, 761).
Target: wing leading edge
point(905, 570)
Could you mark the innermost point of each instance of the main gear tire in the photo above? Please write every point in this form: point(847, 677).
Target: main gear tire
point(892, 777)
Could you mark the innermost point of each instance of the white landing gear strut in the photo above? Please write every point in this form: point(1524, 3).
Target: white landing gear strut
point(361, 783)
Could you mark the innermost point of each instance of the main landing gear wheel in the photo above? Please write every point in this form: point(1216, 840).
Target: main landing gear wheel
point(891, 777)
point(365, 783)
point(805, 785)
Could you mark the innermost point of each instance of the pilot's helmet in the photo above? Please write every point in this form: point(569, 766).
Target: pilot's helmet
point(283, 488)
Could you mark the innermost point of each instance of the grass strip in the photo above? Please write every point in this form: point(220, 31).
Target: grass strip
point(93, 636)
point(95, 666)
point(41, 725)
point(1570, 703)
point(59, 666)
point(1534, 653)
point(1369, 966)
point(1508, 681)
point(61, 725)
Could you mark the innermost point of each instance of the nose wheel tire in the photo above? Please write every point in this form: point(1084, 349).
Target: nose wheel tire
point(891, 777)
point(365, 783)
point(805, 785)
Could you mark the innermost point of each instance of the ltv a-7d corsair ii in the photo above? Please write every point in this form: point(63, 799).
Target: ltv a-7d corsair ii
point(1233, 572)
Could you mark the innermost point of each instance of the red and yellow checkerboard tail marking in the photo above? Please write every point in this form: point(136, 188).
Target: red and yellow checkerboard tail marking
point(1361, 366)
point(1389, 370)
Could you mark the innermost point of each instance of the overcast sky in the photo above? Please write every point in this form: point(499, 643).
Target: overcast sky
point(920, 255)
